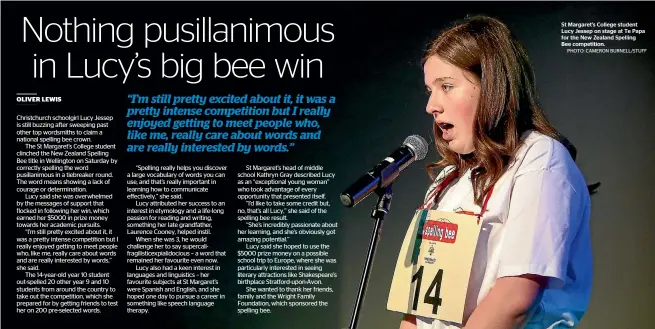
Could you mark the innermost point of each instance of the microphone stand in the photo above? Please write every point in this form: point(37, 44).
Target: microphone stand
point(380, 209)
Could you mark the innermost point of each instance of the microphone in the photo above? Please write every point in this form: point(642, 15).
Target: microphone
point(384, 173)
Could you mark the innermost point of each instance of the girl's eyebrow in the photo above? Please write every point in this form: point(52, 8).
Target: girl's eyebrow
point(443, 78)
point(440, 79)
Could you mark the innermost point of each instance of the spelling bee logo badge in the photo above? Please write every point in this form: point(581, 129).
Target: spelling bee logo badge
point(440, 230)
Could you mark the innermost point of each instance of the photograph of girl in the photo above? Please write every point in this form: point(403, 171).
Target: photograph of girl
point(502, 161)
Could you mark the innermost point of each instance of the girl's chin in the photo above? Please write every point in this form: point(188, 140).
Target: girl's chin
point(458, 148)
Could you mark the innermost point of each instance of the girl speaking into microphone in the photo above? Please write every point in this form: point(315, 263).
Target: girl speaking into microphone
point(502, 240)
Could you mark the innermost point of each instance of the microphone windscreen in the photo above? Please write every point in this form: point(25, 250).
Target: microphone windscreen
point(418, 145)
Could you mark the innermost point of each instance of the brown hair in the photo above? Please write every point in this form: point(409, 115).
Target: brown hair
point(484, 46)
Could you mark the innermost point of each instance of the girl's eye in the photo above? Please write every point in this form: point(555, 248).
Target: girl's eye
point(428, 91)
point(446, 87)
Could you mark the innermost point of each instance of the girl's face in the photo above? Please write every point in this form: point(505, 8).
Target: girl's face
point(453, 103)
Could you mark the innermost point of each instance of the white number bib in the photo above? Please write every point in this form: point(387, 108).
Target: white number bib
point(432, 272)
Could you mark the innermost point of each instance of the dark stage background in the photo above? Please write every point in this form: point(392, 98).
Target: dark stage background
point(602, 102)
